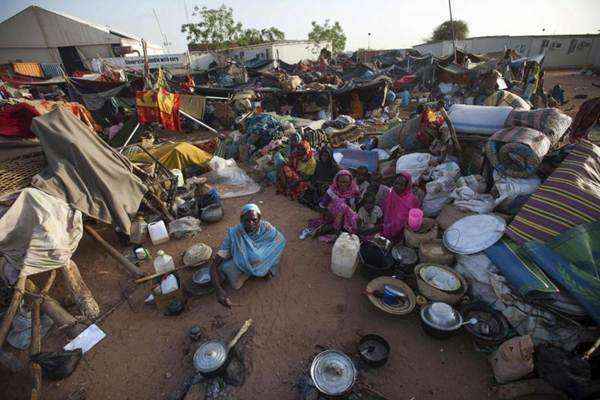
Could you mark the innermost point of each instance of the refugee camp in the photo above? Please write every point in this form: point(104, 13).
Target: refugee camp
point(232, 200)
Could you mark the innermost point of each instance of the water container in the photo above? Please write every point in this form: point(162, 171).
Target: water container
point(158, 232)
point(168, 284)
point(344, 256)
point(163, 262)
point(405, 98)
point(415, 219)
point(179, 175)
point(139, 230)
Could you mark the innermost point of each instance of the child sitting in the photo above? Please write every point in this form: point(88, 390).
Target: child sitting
point(370, 215)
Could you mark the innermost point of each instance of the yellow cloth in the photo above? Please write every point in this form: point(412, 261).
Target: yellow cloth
point(175, 156)
point(307, 168)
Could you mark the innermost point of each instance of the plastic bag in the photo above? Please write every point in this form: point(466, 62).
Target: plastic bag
point(513, 359)
point(433, 203)
point(510, 188)
point(474, 182)
point(448, 169)
point(19, 335)
point(229, 179)
point(185, 227)
point(415, 164)
point(58, 365)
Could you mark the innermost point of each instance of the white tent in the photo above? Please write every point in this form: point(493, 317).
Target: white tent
point(39, 35)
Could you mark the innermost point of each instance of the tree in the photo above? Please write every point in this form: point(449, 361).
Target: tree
point(218, 29)
point(329, 33)
point(444, 31)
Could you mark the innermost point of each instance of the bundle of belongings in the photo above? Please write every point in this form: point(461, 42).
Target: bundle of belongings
point(15, 119)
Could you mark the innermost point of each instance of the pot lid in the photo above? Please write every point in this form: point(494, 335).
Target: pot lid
point(210, 356)
point(475, 233)
point(333, 372)
point(202, 276)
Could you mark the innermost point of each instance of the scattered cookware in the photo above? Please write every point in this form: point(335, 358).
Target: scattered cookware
point(440, 320)
point(439, 283)
point(333, 373)
point(391, 295)
point(475, 233)
point(211, 213)
point(211, 357)
point(426, 232)
point(491, 328)
point(374, 350)
point(200, 283)
point(434, 251)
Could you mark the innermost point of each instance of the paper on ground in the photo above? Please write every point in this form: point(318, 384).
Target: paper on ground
point(86, 339)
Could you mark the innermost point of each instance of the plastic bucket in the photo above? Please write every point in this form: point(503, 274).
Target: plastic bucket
point(415, 219)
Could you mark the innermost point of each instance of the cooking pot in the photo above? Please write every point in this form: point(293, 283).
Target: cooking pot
point(374, 350)
point(212, 357)
point(333, 373)
point(211, 213)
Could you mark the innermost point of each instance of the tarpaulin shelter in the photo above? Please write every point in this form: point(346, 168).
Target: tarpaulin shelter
point(85, 172)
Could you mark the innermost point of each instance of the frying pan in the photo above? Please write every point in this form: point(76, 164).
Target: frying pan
point(212, 357)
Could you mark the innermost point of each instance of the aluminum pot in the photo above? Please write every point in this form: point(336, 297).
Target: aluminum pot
point(333, 373)
point(374, 350)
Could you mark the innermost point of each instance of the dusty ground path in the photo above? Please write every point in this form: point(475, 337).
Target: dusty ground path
point(306, 305)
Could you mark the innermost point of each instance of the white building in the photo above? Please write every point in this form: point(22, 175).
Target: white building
point(288, 51)
point(39, 35)
point(562, 51)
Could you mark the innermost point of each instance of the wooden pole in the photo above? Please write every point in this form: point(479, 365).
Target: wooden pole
point(55, 311)
point(80, 291)
point(129, 266)
point(12, 309)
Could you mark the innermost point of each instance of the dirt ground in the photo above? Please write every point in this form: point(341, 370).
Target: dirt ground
point(574, 83)
point(143, 355)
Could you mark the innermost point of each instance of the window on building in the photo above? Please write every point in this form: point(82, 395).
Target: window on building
point(556, 45)
point(545, 43)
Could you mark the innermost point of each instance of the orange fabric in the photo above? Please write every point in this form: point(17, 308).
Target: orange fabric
point(147, 106)
point(45, 106)
point(28, 69)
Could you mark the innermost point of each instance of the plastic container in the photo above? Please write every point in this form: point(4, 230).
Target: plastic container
point(158, 232)
point(163, 262)
point(168, 284)
point(179, 175)
point(344, 256)
point(139, 230)
point(415, 219)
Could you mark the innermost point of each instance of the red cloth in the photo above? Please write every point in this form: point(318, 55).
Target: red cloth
point(15, 120)
point(158, 106)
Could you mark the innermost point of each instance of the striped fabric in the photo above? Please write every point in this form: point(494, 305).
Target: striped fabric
point(569, 197)
point(550, 121)
point(506, 98)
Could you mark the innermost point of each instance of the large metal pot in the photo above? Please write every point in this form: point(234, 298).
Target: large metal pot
point(212, 213)
point(440, 320)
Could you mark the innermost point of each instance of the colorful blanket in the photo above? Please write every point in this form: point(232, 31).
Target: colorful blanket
point(569, 197)
point(506, 98)
point(158, 106)
point(517, 152)
point(550, 121)
point(572, 259)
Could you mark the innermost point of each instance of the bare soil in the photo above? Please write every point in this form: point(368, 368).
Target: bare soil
point(143, 355)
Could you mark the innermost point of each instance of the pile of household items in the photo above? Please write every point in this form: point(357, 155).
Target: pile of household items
point(495, 229)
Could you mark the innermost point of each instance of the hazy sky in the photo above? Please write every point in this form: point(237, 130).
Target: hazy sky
point(392, 23)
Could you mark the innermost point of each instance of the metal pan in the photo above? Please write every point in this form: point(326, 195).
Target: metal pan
point(212, 357)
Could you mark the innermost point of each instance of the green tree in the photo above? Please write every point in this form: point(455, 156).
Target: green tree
point(217, 29)
point(444, 31)
point(329, 33)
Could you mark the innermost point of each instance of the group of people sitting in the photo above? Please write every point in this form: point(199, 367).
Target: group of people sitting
point(357, 202)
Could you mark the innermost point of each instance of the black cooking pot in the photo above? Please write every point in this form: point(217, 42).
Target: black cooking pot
point(375, 261)
point(374, 350)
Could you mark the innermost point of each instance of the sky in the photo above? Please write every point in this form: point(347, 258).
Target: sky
point(392, 23)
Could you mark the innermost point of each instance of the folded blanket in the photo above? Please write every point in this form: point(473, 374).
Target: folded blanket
point(517, 152)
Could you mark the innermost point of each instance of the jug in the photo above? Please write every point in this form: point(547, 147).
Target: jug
point(415, 219)
point(163, 262)
point(169, 284)
point(139, 229)
point(344, 255)
point(158, 232)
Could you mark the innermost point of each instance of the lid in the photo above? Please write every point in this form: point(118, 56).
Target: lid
point(210, 356)
point(333, 372)
point(475, 233)
point(404, 255)
point(197, 254)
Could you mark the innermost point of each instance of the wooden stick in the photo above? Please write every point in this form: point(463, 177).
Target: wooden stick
point(129, 266)
point(80, 291)
point(592, 349)
point(53, 308)
point(12, 309)
point(159, 274)
point(451, 128)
